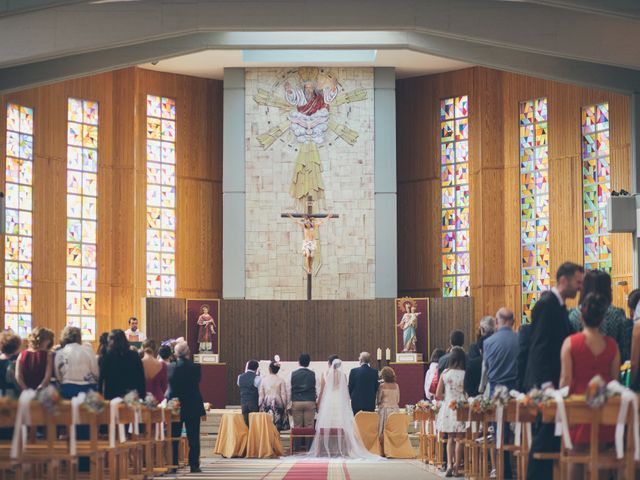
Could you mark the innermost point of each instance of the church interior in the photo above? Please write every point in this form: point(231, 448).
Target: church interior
point(366, 183)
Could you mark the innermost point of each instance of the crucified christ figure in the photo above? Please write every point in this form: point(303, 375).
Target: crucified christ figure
point(310, 227)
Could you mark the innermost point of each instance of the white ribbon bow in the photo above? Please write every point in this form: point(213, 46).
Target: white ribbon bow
point(499, 425)
point(113, 421)
point(75, 419)
point(562, 423)
point(474, 427)
point(160, 427)
point(627, 397)
point(23, 418)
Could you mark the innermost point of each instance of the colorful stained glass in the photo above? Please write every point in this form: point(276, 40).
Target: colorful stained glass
point(19, 220)
point(161, 196)
point(596, 186)
point(454, 178)
point(82, 214)
point(534, 202)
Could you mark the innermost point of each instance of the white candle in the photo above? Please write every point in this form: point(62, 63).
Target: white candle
point(388, 354)
point(379, 354)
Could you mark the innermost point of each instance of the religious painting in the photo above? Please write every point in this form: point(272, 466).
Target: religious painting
point(412, 329)
point(203, 329)
point(309, 159)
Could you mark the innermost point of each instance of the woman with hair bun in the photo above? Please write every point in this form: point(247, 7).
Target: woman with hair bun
point(273, 397)
point(35, 364)
point(585, 355)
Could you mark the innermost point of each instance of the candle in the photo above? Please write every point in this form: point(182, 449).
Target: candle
point(379, 354)
point(388, 354)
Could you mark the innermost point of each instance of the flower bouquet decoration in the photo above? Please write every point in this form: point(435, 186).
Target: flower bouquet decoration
point(94, 402)
point(49, 398)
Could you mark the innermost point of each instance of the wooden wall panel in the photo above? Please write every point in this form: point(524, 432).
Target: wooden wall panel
point(446, 315)
point(122, 188)
point(495, 180)
point(169, 318)
point(261, 328)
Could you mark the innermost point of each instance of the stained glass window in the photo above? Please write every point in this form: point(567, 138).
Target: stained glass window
point(596, 185)
point(454, 175)
point(82, 219)
point(18, 252)
point(534, 202)
point(161, 196)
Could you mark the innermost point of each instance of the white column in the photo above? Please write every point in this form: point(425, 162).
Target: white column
point(233, 185)
point(385, 183)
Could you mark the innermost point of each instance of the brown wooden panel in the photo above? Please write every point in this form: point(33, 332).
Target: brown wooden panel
point(122, 189)
point(495, 179)
point(447, 315)
point(262, 328)
point(166, 318)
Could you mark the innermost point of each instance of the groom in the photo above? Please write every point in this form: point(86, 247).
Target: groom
point(363, 385)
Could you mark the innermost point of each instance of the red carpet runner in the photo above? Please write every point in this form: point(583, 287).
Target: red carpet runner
point(315, 471)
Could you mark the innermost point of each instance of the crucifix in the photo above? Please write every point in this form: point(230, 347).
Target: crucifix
point(310, 223)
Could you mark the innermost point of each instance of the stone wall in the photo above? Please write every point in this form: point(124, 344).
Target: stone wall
point(274, 262)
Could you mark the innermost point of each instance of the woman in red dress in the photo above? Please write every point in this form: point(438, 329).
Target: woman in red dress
point(583, 356)
point(35, 365)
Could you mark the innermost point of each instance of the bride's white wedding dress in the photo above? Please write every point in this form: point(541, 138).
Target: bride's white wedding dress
point(336, 435)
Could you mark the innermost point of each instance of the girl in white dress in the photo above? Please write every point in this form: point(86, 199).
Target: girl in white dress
point(450, 389)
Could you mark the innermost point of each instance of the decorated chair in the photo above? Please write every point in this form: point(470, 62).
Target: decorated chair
point(232, 436)
point(578, 412)
point(8, 412)
point(396, 437)
point(300, 432)
point(264, 439)
point(367, 425)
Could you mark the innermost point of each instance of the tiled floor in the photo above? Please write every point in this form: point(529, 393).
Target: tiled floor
point(295, 469)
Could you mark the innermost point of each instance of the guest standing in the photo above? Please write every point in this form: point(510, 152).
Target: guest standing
point(34, 366)
point(303, 394)
point(451, 389)
point(363, 385)
point(76, 365)
point(249, 384)
point(585, 355)
point(388, 397)
point(272, 397)
point(487, 327)
point(185, 386)
point(155, 371)
point(456, 339)
point(524, 338)
point(500, 366)
point(10, 344)
point(550, 327)
point(431, 377)
point(501, 353)
point(632, 303)
point(76, 368)
point(614, 323)
point(121, 370)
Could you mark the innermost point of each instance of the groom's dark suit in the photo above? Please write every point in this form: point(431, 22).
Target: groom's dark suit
point(363, 387)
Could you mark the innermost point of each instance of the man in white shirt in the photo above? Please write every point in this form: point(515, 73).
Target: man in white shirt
point(133, 333)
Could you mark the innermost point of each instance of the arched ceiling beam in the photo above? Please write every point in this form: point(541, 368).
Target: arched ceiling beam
point(566, 70)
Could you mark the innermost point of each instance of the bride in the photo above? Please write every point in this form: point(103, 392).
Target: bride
point(335, 433)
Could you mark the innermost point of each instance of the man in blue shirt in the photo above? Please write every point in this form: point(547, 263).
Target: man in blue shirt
point(500, 363)
point(501, 353)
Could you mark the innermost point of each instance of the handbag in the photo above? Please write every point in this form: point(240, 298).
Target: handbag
point(434, 383)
